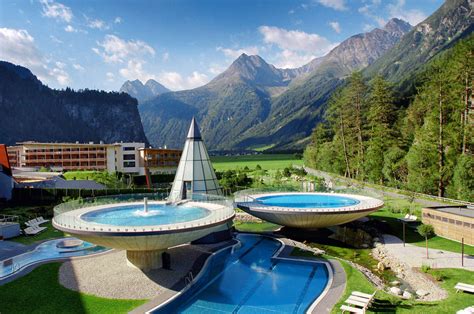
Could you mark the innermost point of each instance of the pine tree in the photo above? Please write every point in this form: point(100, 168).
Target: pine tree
point(380, 117)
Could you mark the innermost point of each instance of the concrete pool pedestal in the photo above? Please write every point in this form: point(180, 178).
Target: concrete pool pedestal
point(145, 260)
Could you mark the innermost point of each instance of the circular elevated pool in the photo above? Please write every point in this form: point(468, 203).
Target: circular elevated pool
point(144, 229)
point(307, 200)
point(135, 215)
point(307, 210)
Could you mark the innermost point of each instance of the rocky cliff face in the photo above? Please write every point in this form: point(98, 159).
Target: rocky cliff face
point(452, 21)
point(31, 111)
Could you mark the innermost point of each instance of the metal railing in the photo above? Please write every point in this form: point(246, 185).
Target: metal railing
point(8, 219)
point(247, 198)
point(68, 215)
point(383, 189)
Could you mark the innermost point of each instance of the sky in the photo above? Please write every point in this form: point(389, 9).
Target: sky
point(183, 44)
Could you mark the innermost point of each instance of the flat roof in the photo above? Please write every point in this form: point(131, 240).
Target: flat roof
point(455, 210)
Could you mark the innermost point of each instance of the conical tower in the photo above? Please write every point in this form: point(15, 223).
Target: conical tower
point(195, 174)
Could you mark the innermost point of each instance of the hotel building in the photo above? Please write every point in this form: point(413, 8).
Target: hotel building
point(116, 157)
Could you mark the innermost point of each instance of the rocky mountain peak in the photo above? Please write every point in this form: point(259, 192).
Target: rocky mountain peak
point(397, 27)
point(143, 92)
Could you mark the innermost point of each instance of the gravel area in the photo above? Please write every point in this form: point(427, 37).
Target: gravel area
point(413, 282)
point(109, 276)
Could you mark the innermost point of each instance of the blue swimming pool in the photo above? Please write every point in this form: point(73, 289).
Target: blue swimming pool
point(135, 215)
point(46, 251)
point(247, 280)
point(301, 200)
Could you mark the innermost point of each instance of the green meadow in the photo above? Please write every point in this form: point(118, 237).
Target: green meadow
point(266, 161)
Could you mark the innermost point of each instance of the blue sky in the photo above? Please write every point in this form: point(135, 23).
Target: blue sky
point(182, 44)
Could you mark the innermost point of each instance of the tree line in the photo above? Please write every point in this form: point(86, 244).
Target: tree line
point(426, 147)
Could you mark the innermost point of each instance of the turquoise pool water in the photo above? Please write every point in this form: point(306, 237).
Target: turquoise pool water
point(134, 215)
point(46, 251)
point(307, 200)
point(246, 280)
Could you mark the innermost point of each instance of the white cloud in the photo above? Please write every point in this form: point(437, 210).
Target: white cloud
point(288, 59)
point(196, 79)
point(295, 40)
point(235, 53)
point(61, 76)
point(339, 5)
point(116, 50)
point(78, 67)
point(369, 9)
point(368, 27)
point(55, 39)
point(166, 56)
point(110, 77)
point(134, 70)
point(18, 47)
point(97, 24)
point(412, 16)
point(335, 26)
point(70, 29)
point(118, 20)
point(176, 81)
point(216, 69)
point(56, 10)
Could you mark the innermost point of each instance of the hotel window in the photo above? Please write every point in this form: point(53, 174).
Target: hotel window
point(129, 157)
point(451, 221)
point(445, 219)
point(128, 164)
point(459, 223)
point(466, 225)
point(128, 148)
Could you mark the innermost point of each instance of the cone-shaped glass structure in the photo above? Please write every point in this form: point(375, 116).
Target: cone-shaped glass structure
point(195, 173)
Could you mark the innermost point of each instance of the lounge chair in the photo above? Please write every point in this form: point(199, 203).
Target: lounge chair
point(350, 309)
point(464, 287)
point(42, 220)
point(360, 299)
point(30, 231)
point(353, 302)
point(363, 295)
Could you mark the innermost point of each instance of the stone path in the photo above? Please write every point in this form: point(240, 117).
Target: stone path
point(415, 256)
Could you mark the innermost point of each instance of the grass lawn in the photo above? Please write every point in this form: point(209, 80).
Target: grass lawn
point(255, 226)
point(49, 233)
point(266, 161)
point(412, 236)
point(103, 177)
point(356, 281)
point(40, 292)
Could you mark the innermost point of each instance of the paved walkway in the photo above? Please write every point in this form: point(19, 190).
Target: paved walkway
point(415, 256)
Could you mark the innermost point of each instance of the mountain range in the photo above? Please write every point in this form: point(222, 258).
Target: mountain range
point(143, 92)
point(31, 111)
point(254, 105)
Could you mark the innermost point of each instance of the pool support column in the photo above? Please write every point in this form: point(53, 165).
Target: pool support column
point(145, 260)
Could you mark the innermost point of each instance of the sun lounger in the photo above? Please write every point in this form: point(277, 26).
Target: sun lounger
point(363, 295)
point(42, 220)
point(361, 304)
point(360, 299)
point(464, 287)
point(31, 231)
point(350, 309)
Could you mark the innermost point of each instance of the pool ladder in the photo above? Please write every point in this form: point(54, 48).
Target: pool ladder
point(189, 278)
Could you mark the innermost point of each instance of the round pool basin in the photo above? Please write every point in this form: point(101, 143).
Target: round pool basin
point(308, 210)
point(127, 226)
point(136, 215)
